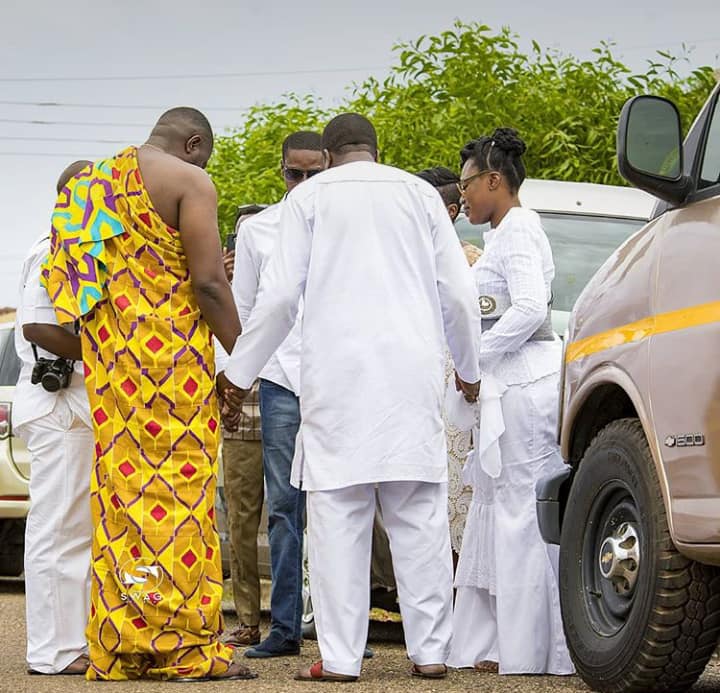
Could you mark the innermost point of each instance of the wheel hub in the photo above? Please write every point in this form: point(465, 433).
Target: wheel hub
point(620, 558)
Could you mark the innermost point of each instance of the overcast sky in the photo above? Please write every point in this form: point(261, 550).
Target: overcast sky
point(97, 58)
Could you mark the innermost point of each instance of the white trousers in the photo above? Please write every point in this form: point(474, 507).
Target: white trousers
point(57, 539)
point(340, 524)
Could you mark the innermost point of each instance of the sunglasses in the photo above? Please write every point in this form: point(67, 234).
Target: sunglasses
point(298, 174)
point(462, 186)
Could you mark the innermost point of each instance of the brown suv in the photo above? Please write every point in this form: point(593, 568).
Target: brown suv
point(637, 510)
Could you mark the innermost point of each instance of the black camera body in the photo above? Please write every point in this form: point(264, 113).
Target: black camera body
point(52, 374)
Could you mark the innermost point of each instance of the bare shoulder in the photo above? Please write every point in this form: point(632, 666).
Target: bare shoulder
point(160, 169)
point(196, 181)
point(172, 183)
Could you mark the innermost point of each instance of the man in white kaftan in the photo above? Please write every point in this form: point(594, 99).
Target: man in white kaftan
point(56, 428)
point(385, 283)
point(279, 409)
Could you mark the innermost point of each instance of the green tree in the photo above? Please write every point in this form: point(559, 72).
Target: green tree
point(460, 84)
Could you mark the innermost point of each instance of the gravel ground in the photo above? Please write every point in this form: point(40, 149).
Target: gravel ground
point(386, 672)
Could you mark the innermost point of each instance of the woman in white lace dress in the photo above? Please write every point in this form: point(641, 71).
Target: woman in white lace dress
point(507, 612)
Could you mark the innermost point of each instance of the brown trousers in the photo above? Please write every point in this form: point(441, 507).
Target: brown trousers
point(243, 472)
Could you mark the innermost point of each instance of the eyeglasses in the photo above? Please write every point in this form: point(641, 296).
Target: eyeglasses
point(297, 174)
point(464, 182)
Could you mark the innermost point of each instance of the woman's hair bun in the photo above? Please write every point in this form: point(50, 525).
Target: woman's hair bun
point(509, 141)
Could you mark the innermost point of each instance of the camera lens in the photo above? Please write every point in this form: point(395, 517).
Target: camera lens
point(51, 382)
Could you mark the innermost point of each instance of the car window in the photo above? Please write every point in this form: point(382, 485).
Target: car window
point(710, 172)
point(9, 361)
point(580, 245)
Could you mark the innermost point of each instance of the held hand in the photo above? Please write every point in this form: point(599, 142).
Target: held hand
point(230, 418)
point(231, 396)
point(470, 391)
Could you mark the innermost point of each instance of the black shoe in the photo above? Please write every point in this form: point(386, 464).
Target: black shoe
point(274, 646)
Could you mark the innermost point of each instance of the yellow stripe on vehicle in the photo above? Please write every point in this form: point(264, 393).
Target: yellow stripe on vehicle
point(672, 321)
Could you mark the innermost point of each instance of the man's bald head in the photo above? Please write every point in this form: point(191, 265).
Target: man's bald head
point(349, 132)
point(186, 133)
point(70, 172)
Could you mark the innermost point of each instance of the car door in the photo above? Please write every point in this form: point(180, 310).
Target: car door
point(9, 372)
point(684, 348)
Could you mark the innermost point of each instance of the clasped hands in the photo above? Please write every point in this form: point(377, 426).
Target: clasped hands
point(471, 391)
point(231, 399)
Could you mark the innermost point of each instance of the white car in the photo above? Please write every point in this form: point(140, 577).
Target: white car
point(584, 222)
point(14, 463)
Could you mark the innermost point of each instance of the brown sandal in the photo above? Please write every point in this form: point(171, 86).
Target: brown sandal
point(317, 673)
point(235, 672)
point(429, 671)
point(487, 667)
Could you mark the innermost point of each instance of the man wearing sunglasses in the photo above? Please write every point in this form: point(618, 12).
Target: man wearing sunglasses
point(302, 158)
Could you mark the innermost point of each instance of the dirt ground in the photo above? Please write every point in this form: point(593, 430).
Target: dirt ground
point(386, 672)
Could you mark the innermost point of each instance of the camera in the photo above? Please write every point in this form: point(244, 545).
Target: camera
point(52, 374)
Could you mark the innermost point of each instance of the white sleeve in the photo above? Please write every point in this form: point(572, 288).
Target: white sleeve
point(521, 266)
point(36, 304)
point(282, 283)
point(458, 296)
point(246, 275)
point(221, 357)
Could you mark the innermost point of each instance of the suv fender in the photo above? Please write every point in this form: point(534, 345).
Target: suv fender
point(608, 393)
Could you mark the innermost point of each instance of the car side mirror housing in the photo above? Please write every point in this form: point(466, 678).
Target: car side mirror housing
point(650, 150)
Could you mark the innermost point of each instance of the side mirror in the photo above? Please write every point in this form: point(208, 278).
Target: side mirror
point(649, 148)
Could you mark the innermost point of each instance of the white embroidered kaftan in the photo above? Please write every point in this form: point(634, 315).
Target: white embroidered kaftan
point(386, 285)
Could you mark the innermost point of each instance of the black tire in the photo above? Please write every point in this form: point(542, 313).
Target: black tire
point(638, 615)
point(12, 547)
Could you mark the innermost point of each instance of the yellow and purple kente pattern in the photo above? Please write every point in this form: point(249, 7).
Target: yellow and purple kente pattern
point(115, 266)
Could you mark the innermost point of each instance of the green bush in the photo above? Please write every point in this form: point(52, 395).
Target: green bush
point(447, 89)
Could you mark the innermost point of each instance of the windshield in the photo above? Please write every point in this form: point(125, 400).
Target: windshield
point(580, 244)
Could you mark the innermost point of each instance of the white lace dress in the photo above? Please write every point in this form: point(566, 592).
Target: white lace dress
point(459, 495)
point(507, 605)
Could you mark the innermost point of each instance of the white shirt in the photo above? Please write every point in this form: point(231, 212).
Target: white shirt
point(32, 402)
point(516, 270)
point(385, 284)
point(255, 241)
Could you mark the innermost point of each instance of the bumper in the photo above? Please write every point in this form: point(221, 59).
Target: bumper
point(551, 494)
point(14, 492)
point(14, 507)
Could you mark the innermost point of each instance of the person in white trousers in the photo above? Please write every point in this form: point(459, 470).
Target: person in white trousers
point(57, 430)
point(374, 255)
point(507, 610)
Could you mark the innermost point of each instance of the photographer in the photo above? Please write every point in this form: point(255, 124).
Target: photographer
point(51, 414)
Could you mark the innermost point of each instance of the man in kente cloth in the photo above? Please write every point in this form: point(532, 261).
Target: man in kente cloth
point(135, 259)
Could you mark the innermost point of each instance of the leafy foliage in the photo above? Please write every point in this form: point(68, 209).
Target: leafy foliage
point(245, 165)
point(463, 83)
